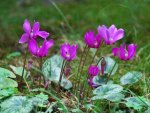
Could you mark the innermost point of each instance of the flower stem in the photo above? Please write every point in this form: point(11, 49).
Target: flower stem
point(94, 56)
point(99, 60)
point(83, 67)
point(41, 61)
point(24, 64)
point(112, 68)
point(84, 51)
point(80, 62)
point(61, 74)
point(111, 72)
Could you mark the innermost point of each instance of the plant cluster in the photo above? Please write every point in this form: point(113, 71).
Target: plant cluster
point(60, 90)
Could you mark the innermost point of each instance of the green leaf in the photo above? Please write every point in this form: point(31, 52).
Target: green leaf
point(6, 73)
point(13, 54)
point(110, 92)
point(7, 83)
point(7, 92)
point(18, 70)
point(66, 84)
point(137, 103)
point(108, 89)
point(111, 97)
point(99, 80)
point(114, 97)
point(40, 100)
point(16, 104)
point(131, 77)
point(51, 70)
point(110, 63)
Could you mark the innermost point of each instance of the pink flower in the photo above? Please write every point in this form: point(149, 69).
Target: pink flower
point(93, 41)
point(32, 32)
point(111, 34)
point(93, 70)
point(39, 51)
point(123, 53)
point(68, 52)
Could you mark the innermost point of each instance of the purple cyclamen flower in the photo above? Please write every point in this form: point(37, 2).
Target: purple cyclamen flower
point(93, 70)
point(32, 32)
point(68, 52)
point(111, 34)
point(123, 53)
point(90, 81)
point(92, 40)
point(41, 51)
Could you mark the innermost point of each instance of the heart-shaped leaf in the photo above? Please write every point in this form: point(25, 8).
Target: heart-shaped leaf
point(111, 92)
point(111, 66)
point(16, 104)
point(7, 92)
point(111, 97)
point(51, 70)
point(137, 102)
point(40, 100)
point(99, 80)
point(6, 73)
point(108, 89)
point(7, 83)
point(130, 77)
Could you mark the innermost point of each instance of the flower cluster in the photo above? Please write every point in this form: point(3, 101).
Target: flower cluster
point(30, 36)
point(109, 36)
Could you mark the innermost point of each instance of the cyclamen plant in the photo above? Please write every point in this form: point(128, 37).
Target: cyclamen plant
point(92, 80)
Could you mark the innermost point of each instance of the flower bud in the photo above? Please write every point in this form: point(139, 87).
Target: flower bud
point(103, 66)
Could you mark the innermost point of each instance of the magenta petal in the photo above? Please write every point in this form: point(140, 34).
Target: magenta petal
point(49, 43)
point(33, 47)
point(24, 38)
point(122, 52)
point(131, 51)
point(115, 51)
point(102, 31)
point(119, 34)
point(93, 70)
point(36, 27)
point(112, 29)
point(89, 38)
point(43, 50)
point(72, 51)
point(26, 26)
point(43, 34)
